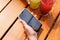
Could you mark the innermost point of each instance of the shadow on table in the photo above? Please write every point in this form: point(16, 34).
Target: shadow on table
point(39, 32)
point(24, 2)
point(49, 19)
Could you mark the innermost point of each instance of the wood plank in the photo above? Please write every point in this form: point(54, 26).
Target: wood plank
point(48, 21)
point(16, 32)
point(3, 3)
point(9, 14)
point(55, 33)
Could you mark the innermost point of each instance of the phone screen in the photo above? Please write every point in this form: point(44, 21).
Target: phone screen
point(30, 20)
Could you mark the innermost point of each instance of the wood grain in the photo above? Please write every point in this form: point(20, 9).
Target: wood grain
point(3, 3)
point(16, 32)
point(55, 33)
point(48, 20)
point(9, 14)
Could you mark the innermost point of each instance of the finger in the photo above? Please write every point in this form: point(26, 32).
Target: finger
point(22, 21)
point(29, 30)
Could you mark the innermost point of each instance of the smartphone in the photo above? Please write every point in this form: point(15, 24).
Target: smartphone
point(30, 20)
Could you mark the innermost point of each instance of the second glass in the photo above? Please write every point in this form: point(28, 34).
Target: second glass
point(46, 6)
point(34, 4)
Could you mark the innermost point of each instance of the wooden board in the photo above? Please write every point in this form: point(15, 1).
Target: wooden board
point(9, 14)
point(55, 33)
point(48, 21)
point(3, 3)
point(16, 32)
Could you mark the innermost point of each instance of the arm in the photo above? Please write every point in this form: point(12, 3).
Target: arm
point(32, 35)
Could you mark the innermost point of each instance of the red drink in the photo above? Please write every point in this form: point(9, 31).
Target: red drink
point(45, 6)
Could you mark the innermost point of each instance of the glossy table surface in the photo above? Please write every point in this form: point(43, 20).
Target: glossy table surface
point(12, 29)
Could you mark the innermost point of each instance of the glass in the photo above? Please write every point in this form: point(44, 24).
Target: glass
point(45, 6)
point(34, 4)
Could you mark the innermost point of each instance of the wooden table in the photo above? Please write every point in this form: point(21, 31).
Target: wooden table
point(12, 29)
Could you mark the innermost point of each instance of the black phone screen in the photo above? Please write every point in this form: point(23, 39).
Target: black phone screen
point(30, 20)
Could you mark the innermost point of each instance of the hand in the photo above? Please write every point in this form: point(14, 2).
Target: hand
point(32, 35)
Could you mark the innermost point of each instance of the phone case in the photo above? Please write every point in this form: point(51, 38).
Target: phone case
point(30, 20)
